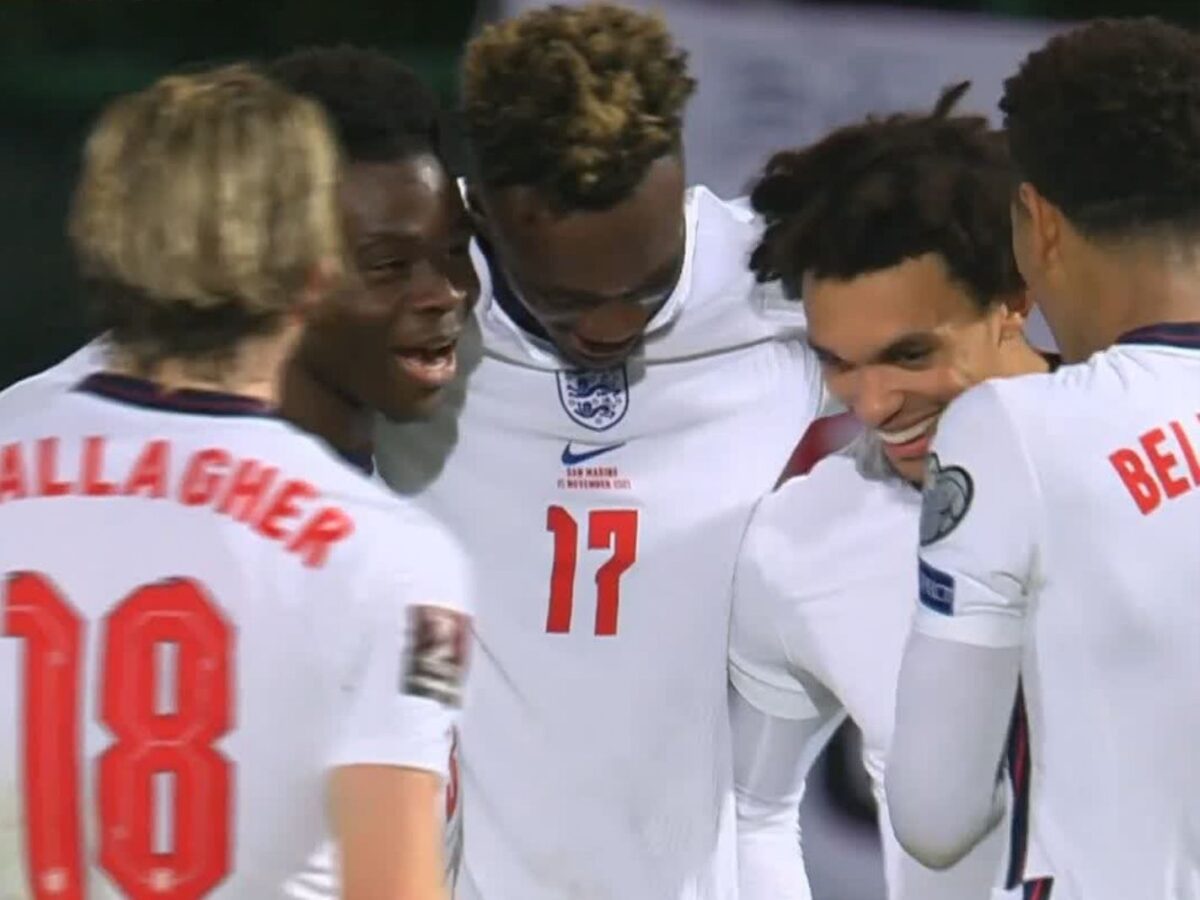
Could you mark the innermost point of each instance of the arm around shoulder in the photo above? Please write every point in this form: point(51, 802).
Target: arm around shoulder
point(980, 526)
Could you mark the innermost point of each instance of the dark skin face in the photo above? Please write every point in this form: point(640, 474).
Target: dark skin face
point(389, 346)
point(593, 279)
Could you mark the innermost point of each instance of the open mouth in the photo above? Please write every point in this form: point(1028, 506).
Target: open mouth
point(433, 365)
point(908, 442)
point(602, 354)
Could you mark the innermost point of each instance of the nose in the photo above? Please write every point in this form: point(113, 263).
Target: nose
point(873, 398)
point(434, 292)
point(613, 323)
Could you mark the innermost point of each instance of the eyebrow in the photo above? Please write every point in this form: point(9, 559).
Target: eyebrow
point(389, 238)
point(665, 276)
point(906, 342)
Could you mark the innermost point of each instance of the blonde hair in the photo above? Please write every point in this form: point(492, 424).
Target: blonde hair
point(205, 204)
point(575, 101)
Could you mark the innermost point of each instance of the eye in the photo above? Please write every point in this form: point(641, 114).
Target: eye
point(912, 356)
point(388, 270)
point(830, 362)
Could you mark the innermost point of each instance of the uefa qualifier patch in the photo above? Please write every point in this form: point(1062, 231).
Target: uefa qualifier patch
point(437, 656)
point(946, 498)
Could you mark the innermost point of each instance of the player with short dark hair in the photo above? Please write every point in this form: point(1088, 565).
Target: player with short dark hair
point(1060, 514)
point(394, 349)
point(389, 345)
point(895, 231)
point(223, 648)
point(625, 356)
point(391, 349)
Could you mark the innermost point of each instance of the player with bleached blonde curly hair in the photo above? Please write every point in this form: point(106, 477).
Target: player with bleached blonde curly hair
point(221, 646)
point(632, 392)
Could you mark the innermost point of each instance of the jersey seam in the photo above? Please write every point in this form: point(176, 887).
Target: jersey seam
point(1039, 544)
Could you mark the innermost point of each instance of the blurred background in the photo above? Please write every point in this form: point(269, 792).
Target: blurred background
point(772, 73)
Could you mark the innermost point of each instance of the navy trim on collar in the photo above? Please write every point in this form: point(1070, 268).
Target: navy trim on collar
point(1165, 334)
point(363, 460)
point(147, 394)
point(507, 298)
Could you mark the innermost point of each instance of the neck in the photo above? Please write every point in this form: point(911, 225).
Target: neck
point(313, 406)
point(1129, 290)
point(252, 370)
point(1020, 358)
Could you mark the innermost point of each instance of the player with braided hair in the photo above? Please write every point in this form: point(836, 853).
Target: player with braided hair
point(895, 231)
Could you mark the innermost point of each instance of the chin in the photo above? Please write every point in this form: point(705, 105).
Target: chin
point(413, 406)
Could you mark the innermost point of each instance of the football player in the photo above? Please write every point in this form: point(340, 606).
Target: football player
point(629, 391)
point(221, 645)
point(896, 233)
point(1058, 531)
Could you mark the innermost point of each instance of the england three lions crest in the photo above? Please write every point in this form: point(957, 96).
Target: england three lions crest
point(598, 399)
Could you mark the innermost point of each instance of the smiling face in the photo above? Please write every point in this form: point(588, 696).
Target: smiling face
point(897, 345)
point(391, 345)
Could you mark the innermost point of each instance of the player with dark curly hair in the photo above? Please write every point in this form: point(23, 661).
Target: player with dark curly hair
point(1060, 516)
point(895, 231)
point(574, 119)
point(393, 349)
point(634, 392)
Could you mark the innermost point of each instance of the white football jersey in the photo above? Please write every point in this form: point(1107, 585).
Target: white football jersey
point(203, 611)
point(1063, 517)
point(822, 608)
point(604, 511)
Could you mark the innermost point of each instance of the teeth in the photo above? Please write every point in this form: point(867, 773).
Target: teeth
point(908, 434)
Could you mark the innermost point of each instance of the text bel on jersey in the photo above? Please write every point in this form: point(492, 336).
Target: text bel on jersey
point(1151, 472)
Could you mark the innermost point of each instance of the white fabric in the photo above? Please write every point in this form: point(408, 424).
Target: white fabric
point(1079, 546)
point(821, 612)
point(769, 785)
point(322, 645)
point(944, 782)
point(598, 765)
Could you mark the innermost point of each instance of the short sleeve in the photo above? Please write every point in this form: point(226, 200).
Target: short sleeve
point(404, 703)
point(979, 526)
point(759, 667)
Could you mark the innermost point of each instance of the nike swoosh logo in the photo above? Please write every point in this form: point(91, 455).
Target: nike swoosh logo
point(573, 459)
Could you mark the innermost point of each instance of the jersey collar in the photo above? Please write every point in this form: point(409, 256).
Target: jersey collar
point(139, 392)
point(506, 297)
point(1165, 334)
point(363, 460)
point(148, 395)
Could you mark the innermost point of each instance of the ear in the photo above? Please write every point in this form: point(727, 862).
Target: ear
point(1045, 226)
point(1014, 310)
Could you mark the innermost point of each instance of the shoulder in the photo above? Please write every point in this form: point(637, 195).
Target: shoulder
point(30, 393)
point(1026, 400)
point(814, 523)
point(723, 234)
point(422, 560)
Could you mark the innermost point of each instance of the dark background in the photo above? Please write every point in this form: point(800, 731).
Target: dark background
point(61, 59)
